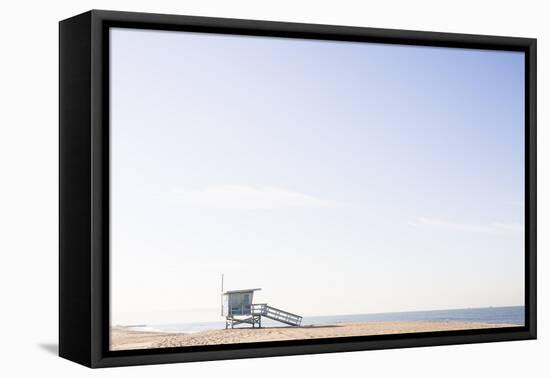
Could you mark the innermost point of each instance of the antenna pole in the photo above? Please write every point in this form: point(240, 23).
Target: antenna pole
point(221, 314)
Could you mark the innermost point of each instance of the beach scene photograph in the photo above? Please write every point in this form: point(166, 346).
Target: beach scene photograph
point(270, 189)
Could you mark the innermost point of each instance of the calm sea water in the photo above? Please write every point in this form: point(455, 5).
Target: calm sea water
point(511, 315)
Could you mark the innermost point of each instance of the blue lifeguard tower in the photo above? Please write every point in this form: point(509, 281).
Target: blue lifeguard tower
point(238, 307)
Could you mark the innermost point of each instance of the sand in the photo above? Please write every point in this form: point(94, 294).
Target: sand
point(123, 338)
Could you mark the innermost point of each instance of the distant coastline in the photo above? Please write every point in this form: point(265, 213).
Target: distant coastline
point(494, 315)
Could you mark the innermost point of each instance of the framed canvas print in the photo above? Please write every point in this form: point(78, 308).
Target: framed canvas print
point(235, 188)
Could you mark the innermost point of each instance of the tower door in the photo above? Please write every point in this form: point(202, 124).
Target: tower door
point(247, 301)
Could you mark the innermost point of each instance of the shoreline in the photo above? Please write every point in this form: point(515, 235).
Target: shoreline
point(125, 338)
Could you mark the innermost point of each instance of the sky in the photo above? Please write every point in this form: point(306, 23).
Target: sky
point(339, 177)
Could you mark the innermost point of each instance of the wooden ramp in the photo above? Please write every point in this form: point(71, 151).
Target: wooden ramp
point(262, 309)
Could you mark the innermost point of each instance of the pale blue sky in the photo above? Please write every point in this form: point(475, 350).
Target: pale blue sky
point(340, 177)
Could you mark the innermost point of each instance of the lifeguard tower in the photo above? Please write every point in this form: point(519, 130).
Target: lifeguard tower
point(238, 308)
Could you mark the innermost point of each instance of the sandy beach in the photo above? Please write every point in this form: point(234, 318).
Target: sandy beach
point(123, 338)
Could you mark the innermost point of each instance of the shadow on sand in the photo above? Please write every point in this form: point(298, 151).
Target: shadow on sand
point(292, 327)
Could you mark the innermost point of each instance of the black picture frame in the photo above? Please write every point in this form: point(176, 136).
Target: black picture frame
point(84, 187)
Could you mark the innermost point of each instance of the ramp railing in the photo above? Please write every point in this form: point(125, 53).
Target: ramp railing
point(277, 314)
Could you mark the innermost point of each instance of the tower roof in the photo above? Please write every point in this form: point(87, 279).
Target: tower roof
point(241, 291)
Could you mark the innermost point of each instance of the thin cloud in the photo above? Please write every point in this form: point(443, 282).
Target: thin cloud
point(494, 227)
point(514, 227)
point(246, 197)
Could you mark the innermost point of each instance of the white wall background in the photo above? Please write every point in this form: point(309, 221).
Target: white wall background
point(29, 174)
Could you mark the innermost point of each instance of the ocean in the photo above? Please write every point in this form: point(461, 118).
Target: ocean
point(511, 315)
